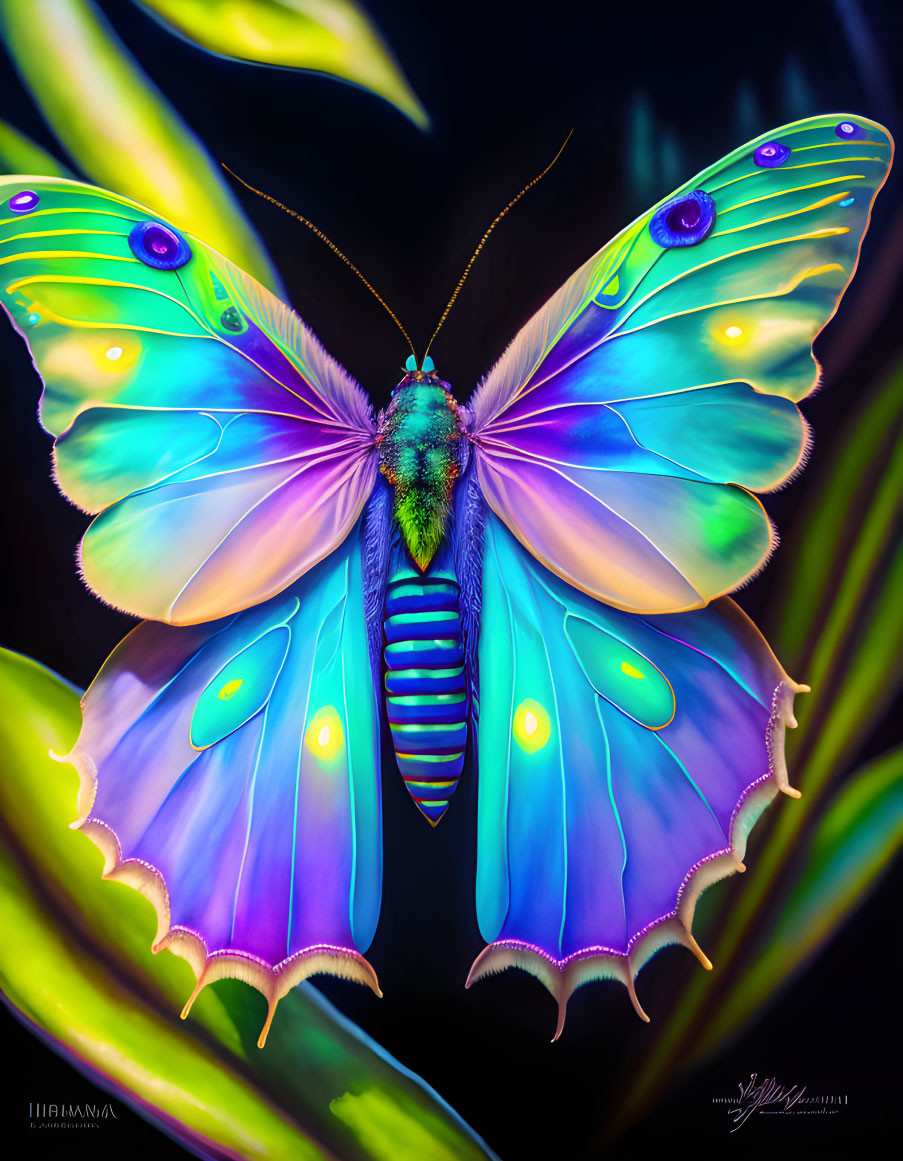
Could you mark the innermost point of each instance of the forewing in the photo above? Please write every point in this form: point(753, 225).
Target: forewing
point(622, 762)
point(231, 772)
point(622, 435)
point(224, 452)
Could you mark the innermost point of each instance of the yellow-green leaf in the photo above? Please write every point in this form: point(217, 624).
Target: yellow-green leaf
point(80, 970)
point(326, 36)
point(19, 154)
point(851, 847)
point(119, 128)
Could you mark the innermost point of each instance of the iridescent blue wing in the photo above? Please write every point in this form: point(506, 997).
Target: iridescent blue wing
point(230, 771)
point(221, 450)
point(624, 433)
point(623, 760)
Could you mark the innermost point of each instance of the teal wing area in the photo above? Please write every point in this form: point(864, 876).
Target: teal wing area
point(221, 451)
point(622, 762)
point(230, 771)
point(623, 434)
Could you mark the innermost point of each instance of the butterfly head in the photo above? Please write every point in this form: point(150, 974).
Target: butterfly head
point(425, 372)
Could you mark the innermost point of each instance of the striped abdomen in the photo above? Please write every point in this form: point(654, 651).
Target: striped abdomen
point(426, 698)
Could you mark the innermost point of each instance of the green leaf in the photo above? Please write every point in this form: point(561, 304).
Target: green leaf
point(19, 154)
point(846, 576)
point(326, 36)
point(819, 539)
point(850, 848)
point(119, 128)
point(80, 970)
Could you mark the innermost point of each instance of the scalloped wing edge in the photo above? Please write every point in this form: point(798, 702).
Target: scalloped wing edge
point(273, 981)
point(563, 977)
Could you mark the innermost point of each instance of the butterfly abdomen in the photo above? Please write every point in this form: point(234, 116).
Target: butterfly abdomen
point(426, 694)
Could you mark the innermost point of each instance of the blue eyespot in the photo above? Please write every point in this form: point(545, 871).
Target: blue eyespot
point(24, 202)
point(684, 221)
point(849, 131)
point(428, 365)
point(411, 364)
point(771, 155)
point(159, 246)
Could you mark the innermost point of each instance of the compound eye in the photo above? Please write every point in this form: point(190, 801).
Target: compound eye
point(411, 364)
point(159, 246)
point(428, 365)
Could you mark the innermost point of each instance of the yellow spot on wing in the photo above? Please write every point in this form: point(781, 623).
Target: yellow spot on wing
point(531, 726)
point(230, 689)
point(324, 736)
point(630, 670)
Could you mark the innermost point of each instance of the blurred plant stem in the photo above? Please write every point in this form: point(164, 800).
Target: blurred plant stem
point(120, 129)
point(79, 971)
point(839, 628)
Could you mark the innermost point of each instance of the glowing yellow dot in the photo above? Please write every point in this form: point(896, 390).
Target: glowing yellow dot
point(230, 689)
point(114, 353)
point(733, 332)
point(531, 726)
point(630, 670)
point(324, 736)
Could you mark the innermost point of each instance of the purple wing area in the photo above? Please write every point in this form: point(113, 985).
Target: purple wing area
point(222, 450)
point(230, 771)
point(623, 761)
point(621, 435)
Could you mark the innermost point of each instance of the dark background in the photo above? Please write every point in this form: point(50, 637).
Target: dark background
point(654, 93)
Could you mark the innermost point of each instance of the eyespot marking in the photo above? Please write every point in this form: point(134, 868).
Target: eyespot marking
point(231, 320)
point(159, 246)
point(849, 131)
point(24, 202)
point(771, 155)
point(684, 221)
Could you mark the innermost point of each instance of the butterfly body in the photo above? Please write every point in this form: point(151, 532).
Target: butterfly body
point(421, 447)
point(426, 681)
point(542, 572)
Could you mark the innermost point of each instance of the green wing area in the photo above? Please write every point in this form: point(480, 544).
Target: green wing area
point(624, 433)
point(222, 451)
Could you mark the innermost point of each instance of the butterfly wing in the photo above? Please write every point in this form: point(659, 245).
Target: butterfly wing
point(624, 433)
point(623, 760)
point(223, 451)
point(230, 771)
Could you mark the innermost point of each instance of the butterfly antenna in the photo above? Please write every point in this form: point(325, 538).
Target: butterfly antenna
point(332, 246)
point(492, 225)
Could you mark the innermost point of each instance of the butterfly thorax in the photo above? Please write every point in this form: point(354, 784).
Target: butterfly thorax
point(420, 455)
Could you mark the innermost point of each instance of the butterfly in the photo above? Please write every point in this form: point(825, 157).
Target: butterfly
point(539, 576)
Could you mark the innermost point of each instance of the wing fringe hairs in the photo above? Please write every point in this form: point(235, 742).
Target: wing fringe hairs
point(563, 977)
point(273, 981)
